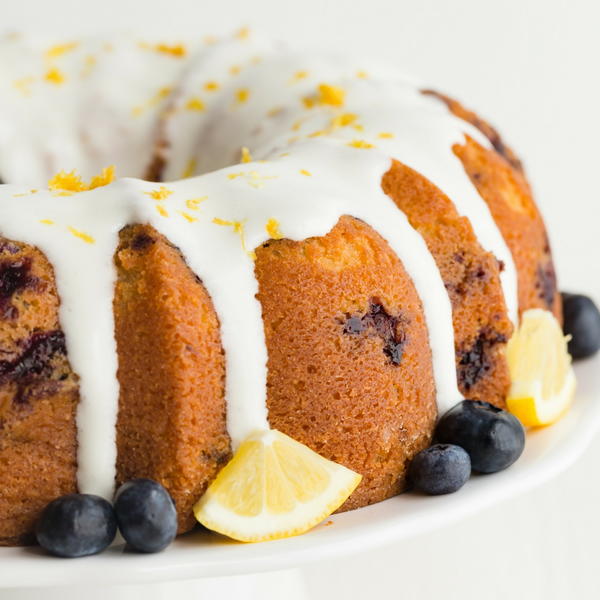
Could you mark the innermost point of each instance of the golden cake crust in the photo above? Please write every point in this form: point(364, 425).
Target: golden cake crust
point(171, 424)
point(472, 278)
point(38, 394)
point(500, 179)
point(509, 198)
point(334, 307)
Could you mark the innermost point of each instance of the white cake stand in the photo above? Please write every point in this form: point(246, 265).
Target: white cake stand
point(204, 565)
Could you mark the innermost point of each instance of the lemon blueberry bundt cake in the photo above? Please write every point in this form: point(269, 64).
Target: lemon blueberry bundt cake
point(293, 242)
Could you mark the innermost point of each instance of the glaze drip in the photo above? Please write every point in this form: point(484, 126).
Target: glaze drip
point(319, 146)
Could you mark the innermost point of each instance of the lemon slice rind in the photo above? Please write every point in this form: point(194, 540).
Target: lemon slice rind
point(543, 381)
point(534, 413)
point(296, 516)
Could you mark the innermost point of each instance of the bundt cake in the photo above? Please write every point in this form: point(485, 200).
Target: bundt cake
point(320, 246)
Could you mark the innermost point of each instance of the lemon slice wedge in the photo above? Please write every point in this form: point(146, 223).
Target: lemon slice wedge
point(543, 381)
point(273, 487)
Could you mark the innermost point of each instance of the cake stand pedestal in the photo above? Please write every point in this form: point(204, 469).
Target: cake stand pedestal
point(277, 585)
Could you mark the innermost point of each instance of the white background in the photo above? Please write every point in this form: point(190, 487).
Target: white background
point(533, 68)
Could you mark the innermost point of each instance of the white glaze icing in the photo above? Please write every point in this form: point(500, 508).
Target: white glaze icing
point(80, 104)
point(305, 182)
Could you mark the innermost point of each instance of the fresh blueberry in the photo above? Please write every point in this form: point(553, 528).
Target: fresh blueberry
point(76, 525)
point(440, 469)
point(146, 515)
point(582, 323)
point(493, 437)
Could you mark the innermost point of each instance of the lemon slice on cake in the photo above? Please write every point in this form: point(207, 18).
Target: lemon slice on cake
point(543, 381)
point(273, 487)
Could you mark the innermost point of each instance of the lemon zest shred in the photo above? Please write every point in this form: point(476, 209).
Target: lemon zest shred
point(299, 75)
point(242, 95)
point(238, 227)
point(55, 76)
point(246, 156)
point(331, 94)
point(106, 176)
point(196, 104)
point(193, 203)
point(161, 210)
point(253, 178)
point(360, 144)
point(70, 182)
point(326, 95)
point(273, 230)
point(158, 97)
point(309, 102)
point(343, 120)
point(188, 217)
point(161, 193)
point(88, 239)
point(47, 221)
point(211, 86)
point(385, 135)
point(59, 49)
point(190, 168)
point(176, 50)
point(256, 180)
point(32, 191)
point(305, 172)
